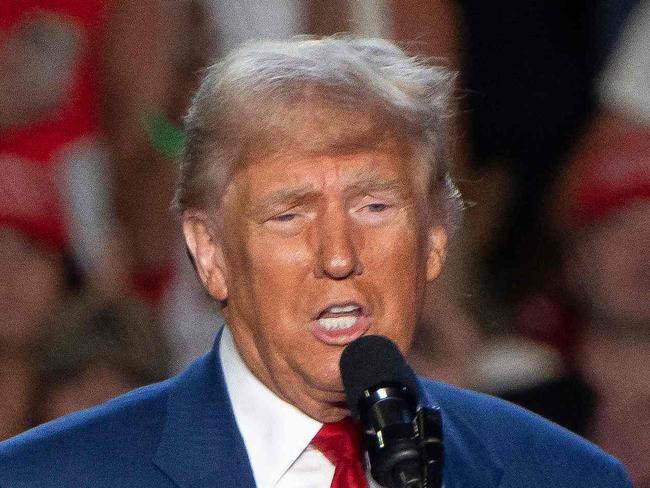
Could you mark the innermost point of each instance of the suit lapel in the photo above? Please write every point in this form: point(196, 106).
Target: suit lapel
point(468, 463)
point(201, 445)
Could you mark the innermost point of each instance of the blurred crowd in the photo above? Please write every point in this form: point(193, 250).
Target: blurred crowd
point(545, 300)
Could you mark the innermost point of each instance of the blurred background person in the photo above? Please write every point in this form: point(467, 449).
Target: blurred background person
point(32, 281)
point(50, 58)
point(92, 351)
point(86, 84)
point(604, 208)
point(608, 269)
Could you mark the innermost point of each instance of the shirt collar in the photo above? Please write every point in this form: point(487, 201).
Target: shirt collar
point(275, 432)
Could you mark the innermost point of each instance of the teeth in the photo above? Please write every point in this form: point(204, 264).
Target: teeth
point(336, 323)
point(347, 308)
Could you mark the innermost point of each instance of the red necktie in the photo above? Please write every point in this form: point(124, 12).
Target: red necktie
point(341, 444)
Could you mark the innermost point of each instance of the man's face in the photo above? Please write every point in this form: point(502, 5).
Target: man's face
point(25, 265)
point(313, 253)
point(610, 266)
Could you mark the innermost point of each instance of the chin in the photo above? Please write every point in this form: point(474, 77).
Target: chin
point(333, 413)
point(326, 379)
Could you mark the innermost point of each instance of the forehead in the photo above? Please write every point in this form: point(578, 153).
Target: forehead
point(283, 143)
point(381, 169)
point(313, 120)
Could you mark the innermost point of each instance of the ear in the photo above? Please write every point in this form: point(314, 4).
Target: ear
point(437, 251)
point(207, 253)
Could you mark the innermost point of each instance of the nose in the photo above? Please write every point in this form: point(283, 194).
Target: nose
point(337, 256)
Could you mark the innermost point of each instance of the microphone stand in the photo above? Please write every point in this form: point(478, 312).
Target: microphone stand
point(404, 450)
point(429, 437)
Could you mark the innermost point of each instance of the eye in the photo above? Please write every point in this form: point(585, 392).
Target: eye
point(377, 207)
point(288, 223)
point(286, 217)
point(375, 210)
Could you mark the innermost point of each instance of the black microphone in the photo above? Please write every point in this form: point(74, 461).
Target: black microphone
point(381, 393)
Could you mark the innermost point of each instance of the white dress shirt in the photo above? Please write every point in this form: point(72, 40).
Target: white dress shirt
point(276, 434)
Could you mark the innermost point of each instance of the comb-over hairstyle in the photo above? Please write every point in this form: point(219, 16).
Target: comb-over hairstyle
point(316, 96)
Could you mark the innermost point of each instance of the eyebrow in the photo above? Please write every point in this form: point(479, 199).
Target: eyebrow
point(371, 185)
point(370, 180)
point(280, 197)
point(365, 181)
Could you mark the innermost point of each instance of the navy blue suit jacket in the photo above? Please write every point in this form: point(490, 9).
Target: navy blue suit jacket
point(182, 433)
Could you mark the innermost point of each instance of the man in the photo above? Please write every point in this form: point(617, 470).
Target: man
point(316, 205)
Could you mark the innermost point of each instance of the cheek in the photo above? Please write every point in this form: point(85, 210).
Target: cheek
point(393, 254)
point(278, 261)
point(269, 275)
point(394, 265)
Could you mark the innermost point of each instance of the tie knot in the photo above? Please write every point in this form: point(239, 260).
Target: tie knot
point(340, 441)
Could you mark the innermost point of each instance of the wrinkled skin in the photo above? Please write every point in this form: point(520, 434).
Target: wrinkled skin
point(295, 235)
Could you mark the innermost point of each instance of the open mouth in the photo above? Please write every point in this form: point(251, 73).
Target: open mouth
point(340, 323)
point(339, 317)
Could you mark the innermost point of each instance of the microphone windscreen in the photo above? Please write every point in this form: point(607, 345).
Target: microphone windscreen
point(373, 361)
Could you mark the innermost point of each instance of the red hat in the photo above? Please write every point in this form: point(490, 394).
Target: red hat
point(611, 171)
